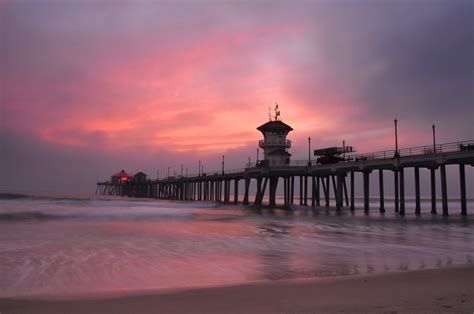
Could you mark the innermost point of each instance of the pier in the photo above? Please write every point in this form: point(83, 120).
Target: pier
point(316, 180)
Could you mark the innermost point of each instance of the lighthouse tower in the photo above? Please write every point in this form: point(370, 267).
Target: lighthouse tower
point(274, 144)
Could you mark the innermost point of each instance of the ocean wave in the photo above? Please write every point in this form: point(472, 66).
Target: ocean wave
point(12, 196)
point(31, 215)
point(80, 215)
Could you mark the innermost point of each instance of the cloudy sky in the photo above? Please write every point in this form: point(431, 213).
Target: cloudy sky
point(91, 87)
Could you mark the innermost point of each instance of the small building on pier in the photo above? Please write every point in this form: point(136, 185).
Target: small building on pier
point(275, 145)
point(139, 177)
point(120, 177)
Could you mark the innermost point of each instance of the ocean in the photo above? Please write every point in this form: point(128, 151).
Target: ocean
point(60, 247)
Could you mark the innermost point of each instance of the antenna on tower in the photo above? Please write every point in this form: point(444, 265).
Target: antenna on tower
point(277, 112)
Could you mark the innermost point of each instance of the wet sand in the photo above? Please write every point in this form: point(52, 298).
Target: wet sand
point(447, 290)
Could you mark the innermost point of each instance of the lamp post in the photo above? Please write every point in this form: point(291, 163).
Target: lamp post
point(249, 162)
point(181, 170)
point(344, 150)
point(396, 138)
point(223, 164)
point(199, 169)
point(257, 154)
point(309, 151)
point(168, 172)
point(434, 139)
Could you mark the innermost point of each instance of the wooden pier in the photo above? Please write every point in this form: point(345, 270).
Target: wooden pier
point(318, 180)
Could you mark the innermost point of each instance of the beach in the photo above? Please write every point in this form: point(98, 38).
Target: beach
point(445, 290)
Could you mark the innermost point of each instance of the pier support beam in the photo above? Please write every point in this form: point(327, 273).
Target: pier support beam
point(344, 186)
point(301, 190)
point(313, 191)
point(433, 190)
point(236, 191)
point(334, 187)
point(338, 193)
point(262, 194)
point(246, 192)
point(397, 186)
point(272, 192)
point(305, 201)
point(366, 191)
point(259, 191)
point(200, 191)
point(402, 192)
point(381, 190)
point(444, 190)
point(417, 191)
point(326, 190)
point(352, 191)
point(462, 177)
point(226, 191)
point(318, 200)
point(292, 189)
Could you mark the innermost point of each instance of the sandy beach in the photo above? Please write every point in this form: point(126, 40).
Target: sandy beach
point(447, 290)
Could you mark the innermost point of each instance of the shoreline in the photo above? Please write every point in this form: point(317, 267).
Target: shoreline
point(449, 289)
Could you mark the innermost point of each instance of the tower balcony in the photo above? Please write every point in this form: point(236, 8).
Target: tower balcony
point(269, 143)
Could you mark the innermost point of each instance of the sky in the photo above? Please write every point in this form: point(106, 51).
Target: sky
point(92, 87)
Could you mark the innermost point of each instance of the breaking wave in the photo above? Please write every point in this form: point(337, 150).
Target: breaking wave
point(12, 196)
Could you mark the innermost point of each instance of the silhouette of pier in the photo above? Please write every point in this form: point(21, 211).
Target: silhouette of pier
point(316, 180)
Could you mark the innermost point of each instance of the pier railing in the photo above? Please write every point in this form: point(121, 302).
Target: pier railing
point(212, 172)
point(402, 152)
point(416, 151)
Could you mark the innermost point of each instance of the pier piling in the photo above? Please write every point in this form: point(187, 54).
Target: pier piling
point(352, 191)
point(396, 185)
point(433, 190)
point(417, 191)
point(366, 191)
point(402, 192)
point(381, 190)
point(444, 190)
point(462, 177)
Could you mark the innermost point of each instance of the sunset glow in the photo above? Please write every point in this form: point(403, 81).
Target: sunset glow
point(192, 81)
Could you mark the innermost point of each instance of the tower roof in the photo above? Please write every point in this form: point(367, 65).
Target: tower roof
point(275, 126)
point(121, 174)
